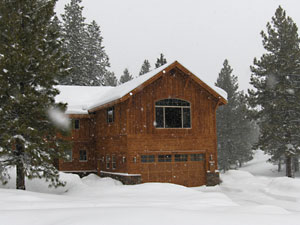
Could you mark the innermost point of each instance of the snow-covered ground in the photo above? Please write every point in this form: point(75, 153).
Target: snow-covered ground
point(254, 194)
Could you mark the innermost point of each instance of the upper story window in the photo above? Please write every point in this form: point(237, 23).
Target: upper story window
point(75, 124)
point(172, 113)
point(110, 114)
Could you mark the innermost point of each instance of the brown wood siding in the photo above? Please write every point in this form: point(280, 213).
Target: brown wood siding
point(76, 165)
point(110, 139)
point(82, 139)
point(143, 137)
point(133, 134)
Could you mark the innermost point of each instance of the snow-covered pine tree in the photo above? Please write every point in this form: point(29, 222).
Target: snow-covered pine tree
point(145, 67)
point(110, 79)
point(97, 59)
point(276, 79)
point(76, 36)
point(31, 58)
point(233, 126)
point(125, 77)
point(160, 61)
point(83, 43)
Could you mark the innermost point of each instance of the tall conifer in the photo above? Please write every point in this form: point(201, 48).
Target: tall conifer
point(160, 61)
point(125, 77)
point(234, 130)
point(145, 67)
point(31, 59)
point(276, 79)
point(84, 44)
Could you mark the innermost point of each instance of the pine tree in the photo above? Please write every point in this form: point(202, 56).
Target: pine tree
point(125, 77)
point(145, 67)
point(234, 129)
point(97, 59)
point(160, 61)
point(75, 35)
point(88, 59)
point(276, 79)
point(31, 59)
point(110, 79)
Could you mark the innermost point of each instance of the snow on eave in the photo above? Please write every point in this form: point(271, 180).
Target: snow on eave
point(85, 99)
point(78, 98)
point(127, 88)
point(122, 90)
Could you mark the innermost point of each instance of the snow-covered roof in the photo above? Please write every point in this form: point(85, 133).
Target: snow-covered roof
point(123, 89)
point(81, 99)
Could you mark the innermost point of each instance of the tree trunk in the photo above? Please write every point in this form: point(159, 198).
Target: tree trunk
point(279, 165)
point(20, 179)
point(289, 167)
point(296, 164)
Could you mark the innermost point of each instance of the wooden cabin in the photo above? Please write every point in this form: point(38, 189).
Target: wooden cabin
point(159, 127)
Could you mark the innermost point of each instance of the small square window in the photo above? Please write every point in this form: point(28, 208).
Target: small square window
point(181, 157)
point(164, 158)
point(197, 157)
point(76, 124)
point(147, 158)
point(68, 155)
point(82, 155)
point(110, 114)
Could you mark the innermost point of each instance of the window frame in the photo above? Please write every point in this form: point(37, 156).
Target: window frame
point(86, 157)
point(170, 106)
point(74, 124)
point(181, 157)
point(110, 119)
point(197, 157)
point(113, 162)
point(148, 158)
point(107, 161)
point(163, 158)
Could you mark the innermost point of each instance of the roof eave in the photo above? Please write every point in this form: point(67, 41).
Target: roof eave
point(222, 101)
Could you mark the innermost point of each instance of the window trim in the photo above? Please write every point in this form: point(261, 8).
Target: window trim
point(86, 156)
point(112, 108)
point(113, 162)
point(107, 161)
point(148, 158)
point(74, 124)
point(182, 157)
point(197, 157)
point(164, 115)
point(164, 158)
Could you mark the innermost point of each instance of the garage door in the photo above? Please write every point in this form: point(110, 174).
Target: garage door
point(180, 168)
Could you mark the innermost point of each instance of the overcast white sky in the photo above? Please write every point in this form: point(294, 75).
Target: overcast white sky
point(199, 34)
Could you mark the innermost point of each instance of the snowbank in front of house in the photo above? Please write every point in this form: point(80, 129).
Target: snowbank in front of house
point(40, 185)
point(242, 198)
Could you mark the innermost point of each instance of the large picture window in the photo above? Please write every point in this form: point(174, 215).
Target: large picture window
point(172, 113)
